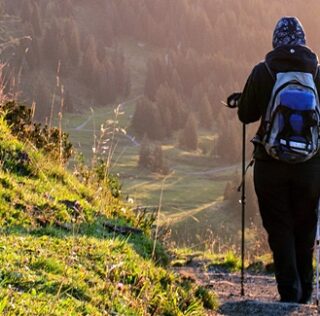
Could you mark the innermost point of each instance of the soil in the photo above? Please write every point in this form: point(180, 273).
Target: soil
point(260, 293)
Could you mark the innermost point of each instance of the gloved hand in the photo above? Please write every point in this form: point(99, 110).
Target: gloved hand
point(233, 99)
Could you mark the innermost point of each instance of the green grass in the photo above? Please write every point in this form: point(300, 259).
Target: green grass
point(57, 260)
point(227, 261)
point(77, 275)
point(181, 190)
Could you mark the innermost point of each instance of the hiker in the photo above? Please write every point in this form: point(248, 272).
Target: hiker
point(287, 192)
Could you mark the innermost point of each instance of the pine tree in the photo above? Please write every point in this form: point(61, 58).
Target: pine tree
point(156, 75)
point(68, 102)
point(67, 8)
point(145, 153)
point(90, 65)
point(188, 138)
point(205, 113)
point(147, 120)
point(72, 37)
point(110, 86)
point(171, 108)
point(50, 44)
point(42, 101)
point(229, 140)
point(63, 58)
point(176, 82)
point(26, 11)
point(33, 54)
point(159, 165)
point(138, 118)
point(118, 61)
point(35, 20)
point(151, 83)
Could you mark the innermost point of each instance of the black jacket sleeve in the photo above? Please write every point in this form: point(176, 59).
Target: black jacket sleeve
point(256, 94)
point(248, 110)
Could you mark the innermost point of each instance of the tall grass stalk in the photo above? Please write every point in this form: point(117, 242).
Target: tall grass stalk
point(104, 148)
point(53, 101)
point(60, 115)
point(158, 215)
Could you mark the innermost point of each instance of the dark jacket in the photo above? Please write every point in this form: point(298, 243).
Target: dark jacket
point(257, 91)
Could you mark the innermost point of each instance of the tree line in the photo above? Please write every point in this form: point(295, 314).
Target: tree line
point(54, 45)
point(208, 48)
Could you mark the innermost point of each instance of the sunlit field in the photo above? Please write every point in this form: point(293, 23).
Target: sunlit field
point(191, 191)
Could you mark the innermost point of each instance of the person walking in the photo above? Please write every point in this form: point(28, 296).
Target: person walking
point(287, 193)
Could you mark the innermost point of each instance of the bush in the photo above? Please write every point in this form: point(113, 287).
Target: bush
point(51, 140)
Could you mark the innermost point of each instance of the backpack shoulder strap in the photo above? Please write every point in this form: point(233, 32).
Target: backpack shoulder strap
point(270, 71)
point(317, 72)
point(274, 78)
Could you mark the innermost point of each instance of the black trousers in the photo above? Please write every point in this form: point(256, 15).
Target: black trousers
point(288, 196)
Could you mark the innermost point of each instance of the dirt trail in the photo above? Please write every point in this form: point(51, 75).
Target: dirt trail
point(261, 297)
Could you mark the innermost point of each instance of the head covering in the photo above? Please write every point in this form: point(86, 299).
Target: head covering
point(288, 31)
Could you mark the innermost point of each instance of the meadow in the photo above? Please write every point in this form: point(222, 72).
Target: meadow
point(191, 196)
point(193, 189)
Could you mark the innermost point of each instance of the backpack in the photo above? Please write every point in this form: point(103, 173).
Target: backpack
point(292, 118)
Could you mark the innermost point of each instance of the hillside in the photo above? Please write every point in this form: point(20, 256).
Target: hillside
point(68, 246)
point(83, 59)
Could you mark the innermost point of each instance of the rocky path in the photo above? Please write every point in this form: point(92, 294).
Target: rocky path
point(261, 298)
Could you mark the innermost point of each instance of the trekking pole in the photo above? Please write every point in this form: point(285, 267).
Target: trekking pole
point(317, 246)
point(243, 204)
point(232, 102)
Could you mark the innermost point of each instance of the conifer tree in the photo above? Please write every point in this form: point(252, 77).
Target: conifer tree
point(35, 19)
point(145, 160)
point(147, 120)
point(176, 82)
point(72, 37)
point(138, 118)
point(42, 101)
point(63, 58)
point(159, 165)
point(188, 138)
point(229, 140)
point(156, 75)
point(104, 80)
point(90, 64)
point(110, 86)
point(68, 102)
point(67, 8)
point(26, 11)
point(205, 113)
point(33, 54)
point(168, 101)
point(50, 44)
point(151, 83)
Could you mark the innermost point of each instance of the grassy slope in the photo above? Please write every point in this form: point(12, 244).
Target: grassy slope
point(82, 268)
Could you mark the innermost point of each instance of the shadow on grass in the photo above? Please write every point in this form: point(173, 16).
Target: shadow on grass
point(141, 243)
point(257, 308)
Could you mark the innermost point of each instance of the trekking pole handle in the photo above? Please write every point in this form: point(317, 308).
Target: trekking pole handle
point(233, 100)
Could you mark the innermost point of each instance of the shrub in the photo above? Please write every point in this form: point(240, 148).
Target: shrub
point(51, 140)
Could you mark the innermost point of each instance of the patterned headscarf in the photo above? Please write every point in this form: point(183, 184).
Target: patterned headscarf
point(288, 31)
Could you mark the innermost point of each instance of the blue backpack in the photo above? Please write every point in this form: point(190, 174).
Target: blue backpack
point(292, 118)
